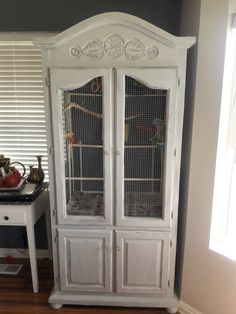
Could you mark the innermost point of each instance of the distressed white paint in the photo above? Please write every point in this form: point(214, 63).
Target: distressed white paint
point(142, 260)
point(85, 260)
point(163, 78)
point(158, 59)
point(67, 79)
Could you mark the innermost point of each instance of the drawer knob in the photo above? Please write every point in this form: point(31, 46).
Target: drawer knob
point(6, 218)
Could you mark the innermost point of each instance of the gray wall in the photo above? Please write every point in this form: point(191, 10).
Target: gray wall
point(57, 15)
point(189, 27)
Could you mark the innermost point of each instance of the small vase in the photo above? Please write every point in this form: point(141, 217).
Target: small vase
point(40, 170)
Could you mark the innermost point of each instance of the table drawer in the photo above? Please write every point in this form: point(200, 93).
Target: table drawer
point(12, 217)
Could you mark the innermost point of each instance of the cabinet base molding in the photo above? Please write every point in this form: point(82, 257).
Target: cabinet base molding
point(58, 297)
point(184, 308)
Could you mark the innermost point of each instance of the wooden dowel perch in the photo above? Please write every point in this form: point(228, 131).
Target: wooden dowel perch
point(96, 114)
point(134, 117)
point(92, 113)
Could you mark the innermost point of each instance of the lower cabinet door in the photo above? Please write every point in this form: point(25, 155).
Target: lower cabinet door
point(142, 262)
point(85, 260)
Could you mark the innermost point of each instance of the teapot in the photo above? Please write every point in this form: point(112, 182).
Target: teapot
point(36, 175)
point(10, 177)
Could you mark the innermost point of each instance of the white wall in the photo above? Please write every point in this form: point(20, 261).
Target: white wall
point(208, 279)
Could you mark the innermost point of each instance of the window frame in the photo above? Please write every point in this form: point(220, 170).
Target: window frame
point(223, 223)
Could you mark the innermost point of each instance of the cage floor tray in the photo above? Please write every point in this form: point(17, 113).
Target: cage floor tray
point(10, 269)
point(137, 204)
point(89, 204)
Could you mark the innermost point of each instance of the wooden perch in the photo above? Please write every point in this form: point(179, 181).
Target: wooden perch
point(134, 117)
point(92, 113)
point(96, 114)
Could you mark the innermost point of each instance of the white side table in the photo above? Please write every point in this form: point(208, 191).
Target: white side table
point(27, 214)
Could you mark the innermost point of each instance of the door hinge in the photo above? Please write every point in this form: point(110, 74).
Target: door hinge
point(172, 215)
point(54, 212)
point(168, 283)
point(171, 242)
point(56, 239)
point(178, 81)
point(51, 150)
point(175, 152)
point(47, 81)
point(58, 278)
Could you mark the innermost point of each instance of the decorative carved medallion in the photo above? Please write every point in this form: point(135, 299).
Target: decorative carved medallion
point(75, 52)
point(152, 52)
point(93, 49)
point(114, 45)
point(134, 49)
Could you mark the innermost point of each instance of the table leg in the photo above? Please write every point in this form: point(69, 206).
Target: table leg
point(32, 255)
point(48, 227)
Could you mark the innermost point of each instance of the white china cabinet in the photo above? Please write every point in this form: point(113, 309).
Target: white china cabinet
point(114, 93)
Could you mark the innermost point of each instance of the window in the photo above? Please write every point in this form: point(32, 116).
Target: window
point(22, 114)
point(223, 228)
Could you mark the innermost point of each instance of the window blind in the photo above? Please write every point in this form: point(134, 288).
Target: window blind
point(22, 112)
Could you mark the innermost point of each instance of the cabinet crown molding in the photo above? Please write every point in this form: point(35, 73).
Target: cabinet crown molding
point(92, 24)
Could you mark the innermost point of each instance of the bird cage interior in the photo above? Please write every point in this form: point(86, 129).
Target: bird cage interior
point(145, 124)
point(83, 149)
point(144, 148)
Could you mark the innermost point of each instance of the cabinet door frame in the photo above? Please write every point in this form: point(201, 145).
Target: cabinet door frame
point(163, 78)
point(65, 79)
point(124, 239)
point(103, 238)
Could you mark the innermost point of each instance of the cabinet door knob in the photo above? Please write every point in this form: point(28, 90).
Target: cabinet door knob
point(118, 152)
point(6, 218)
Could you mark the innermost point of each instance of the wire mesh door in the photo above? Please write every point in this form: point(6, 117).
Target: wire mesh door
point(83, 149)
point(144, 149)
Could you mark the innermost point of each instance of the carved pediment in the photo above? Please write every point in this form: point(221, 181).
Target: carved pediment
point(114, 44)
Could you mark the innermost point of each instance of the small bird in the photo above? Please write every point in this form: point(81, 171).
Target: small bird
point(160, 131)
point(70, 137)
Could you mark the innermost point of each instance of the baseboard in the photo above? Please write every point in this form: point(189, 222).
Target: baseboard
point(23, 253)
point(187, 309)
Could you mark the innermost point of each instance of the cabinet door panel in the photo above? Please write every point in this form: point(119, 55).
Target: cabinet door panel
point(88, 254)
point(82, 128)
point(145, 140)
point(85, 260)
point(142, 262)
